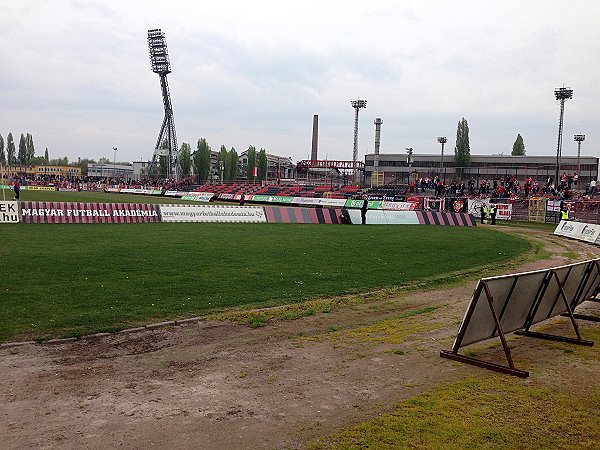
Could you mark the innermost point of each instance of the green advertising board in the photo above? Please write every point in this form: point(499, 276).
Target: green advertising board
point(372, 204)
point(272, 198)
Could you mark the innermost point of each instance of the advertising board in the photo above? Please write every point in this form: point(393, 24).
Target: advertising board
point(9, 212)
point(68, 212)
point(198, 196)
point(213, 213)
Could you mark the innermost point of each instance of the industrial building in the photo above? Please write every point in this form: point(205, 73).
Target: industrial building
point(395, 168)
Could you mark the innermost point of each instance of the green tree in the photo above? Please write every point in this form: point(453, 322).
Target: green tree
point(29, 148)
point(185, 159)
point(222, 162)
point(22, 156)
point(163, 160)
point(64, 161)
point(251, 161)
point(518, 147)
point(37, 161)
point(233, 165)
point(46, 156)
point(462, 151)
point(202, 160)
point(82, 163)
point(262, 164)
point(10, 150)
point(2, 154)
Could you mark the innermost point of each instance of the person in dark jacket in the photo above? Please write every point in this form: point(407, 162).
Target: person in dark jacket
point(483, 212)
point(363, 210)
point(17, 188)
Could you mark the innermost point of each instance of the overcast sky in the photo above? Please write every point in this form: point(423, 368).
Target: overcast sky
point(76, 74)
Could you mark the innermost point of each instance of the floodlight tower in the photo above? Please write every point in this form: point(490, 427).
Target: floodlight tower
point(409, 158)
point(159, 60)
point(442, 140)
point(579, 138)
point(562, 95)
point(357, 105)
point(378, 122)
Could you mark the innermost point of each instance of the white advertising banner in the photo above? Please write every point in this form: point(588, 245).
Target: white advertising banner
point(553, 205)
point(204, 197)
point(400, 206)
point(383, 217)
point(587, 232)
point(319, 201)
point(590, 232)
point(9, 212)
point(503, 211)
point(568, 228)
point(474, 206)
point(217, 213)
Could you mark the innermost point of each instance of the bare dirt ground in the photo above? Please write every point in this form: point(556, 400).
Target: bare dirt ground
point(223, 385)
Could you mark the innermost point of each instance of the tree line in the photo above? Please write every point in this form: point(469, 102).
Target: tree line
point(462, 150)
point(24, 155)
point(227, 162)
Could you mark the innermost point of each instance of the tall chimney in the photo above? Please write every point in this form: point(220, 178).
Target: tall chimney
point(378, 123)
point(315, 138)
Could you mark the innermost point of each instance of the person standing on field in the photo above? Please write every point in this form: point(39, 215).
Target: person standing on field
point(363, 210)
point(483, 211)
point(493, 214)
point(17, 188)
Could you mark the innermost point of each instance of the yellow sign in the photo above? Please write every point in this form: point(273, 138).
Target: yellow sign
point(41, 188)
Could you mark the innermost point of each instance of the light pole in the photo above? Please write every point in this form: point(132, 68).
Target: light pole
point(579, 138)
point(442, 140)
point(562, 95)
point(357, 105)
point(409, 161)
point(115, 163)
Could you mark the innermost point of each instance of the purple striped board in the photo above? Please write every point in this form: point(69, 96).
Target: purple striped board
point(446, 218)
point(277, 214)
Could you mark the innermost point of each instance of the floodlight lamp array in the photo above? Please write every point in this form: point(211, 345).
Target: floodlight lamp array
point(563, 93)
point(159, 56)
point(442, 139)
point(359, 103)
point(579, 137)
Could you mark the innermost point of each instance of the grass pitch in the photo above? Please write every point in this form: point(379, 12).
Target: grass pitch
point(68, 280)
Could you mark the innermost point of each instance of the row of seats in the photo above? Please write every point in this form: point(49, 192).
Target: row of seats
point(287, 190)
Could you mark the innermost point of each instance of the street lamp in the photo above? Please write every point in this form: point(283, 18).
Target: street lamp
point(115, 164)
point(579, 138)
point(562, 95)
point(442, 140)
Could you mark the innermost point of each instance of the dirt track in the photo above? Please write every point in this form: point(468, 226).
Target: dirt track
point(221, 385)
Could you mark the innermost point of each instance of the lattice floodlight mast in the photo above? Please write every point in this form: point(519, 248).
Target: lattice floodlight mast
point(562, 95)
point(442, 140)
point(357, 105)
point(159, 60)
point(579, 138)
